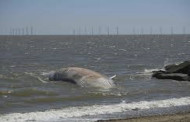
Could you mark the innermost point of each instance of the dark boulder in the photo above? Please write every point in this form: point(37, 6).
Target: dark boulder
point(179, 68)
point(179, 72)
point(172, 76)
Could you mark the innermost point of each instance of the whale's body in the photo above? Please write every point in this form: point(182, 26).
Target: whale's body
point(81, 76)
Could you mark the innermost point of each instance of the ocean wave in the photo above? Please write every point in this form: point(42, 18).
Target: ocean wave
point(68, 113)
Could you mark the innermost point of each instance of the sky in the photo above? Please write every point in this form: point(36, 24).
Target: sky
point(97, 16)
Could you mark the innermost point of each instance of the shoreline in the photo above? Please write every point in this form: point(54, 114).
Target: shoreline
point(179, 117)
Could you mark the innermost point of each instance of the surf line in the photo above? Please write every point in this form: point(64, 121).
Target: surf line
point(94, 110)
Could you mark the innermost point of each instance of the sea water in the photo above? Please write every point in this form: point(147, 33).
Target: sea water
point(26, 95)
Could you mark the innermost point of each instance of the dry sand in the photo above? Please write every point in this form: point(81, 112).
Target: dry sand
point(185, 117)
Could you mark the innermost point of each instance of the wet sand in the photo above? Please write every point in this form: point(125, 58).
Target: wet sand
point(185, 117)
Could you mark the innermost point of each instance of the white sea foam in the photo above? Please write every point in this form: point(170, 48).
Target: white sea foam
point(47, 74)
point(36, 76)
point(74, 112)
point(149, 71)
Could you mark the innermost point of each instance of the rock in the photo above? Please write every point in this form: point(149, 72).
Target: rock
point(179, 72)
point(172, 76)
point(180, 68)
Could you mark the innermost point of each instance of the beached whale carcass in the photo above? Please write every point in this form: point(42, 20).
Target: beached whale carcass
point(81, 76)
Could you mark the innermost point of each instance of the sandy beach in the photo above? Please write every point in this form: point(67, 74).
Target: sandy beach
point(185, 117)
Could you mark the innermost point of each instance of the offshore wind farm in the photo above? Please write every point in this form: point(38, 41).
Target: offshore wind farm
point(30, 30)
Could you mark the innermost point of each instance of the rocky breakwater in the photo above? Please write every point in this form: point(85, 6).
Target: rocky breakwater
point(179, 72)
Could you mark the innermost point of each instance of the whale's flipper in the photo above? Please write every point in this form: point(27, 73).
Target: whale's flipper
point(112, 77)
